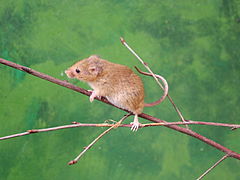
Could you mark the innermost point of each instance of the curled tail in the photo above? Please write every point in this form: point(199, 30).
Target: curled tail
point(165, 88)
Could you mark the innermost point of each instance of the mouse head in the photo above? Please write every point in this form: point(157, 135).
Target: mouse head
point(87, 69)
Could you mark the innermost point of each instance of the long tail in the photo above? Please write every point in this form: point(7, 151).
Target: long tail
point(165, 88)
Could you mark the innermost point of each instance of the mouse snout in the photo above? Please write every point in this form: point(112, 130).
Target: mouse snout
point(69, 73)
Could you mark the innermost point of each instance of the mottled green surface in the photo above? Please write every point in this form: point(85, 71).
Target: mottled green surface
point(194, 44)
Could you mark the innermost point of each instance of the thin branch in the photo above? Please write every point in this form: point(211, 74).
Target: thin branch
point(95, 140)
point(154, 76)
point(211, 168)
point(76, 124)
point(14, 135)
point(33, 131)
point(188, 122)
point(145, 116)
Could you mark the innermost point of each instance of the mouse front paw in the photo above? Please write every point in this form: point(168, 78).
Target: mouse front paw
point(93, 95)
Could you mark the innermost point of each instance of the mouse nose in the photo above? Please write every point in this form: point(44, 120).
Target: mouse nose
point(66, 72)
point(69, 74)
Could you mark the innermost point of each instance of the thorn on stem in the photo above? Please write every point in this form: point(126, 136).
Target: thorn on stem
point(32, 131)
point(75, 122)
point(146, 64)
point(233, 128)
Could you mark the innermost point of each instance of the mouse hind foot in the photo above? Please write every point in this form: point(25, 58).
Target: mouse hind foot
point(135, 124)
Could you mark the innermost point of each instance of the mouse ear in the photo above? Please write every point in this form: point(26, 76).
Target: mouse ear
point(95, 70)
point(94, 57)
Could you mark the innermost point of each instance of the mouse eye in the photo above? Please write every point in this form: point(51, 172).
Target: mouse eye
point(77, 71)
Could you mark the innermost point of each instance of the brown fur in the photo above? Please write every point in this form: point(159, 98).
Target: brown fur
point(118, 83)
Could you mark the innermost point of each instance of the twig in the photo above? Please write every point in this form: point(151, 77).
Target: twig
point(28, 132)
point(211, 168)
point(95, 140)
point(193, 123)
point(145, 116)
point(76, 124)
point(154, 76)
point(14, 135)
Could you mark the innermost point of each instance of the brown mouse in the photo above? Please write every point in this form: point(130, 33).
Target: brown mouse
point(118, 83)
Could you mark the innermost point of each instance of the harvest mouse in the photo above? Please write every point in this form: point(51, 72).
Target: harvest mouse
point(118, 83)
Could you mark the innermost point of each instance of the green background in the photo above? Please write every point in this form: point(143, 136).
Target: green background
point(193, 44)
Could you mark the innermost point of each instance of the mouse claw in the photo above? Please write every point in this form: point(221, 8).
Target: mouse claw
point(135, 126)
point(93, 95)
point(91, 99)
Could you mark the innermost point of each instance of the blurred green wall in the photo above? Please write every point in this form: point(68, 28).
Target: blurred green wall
point(193, 44)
